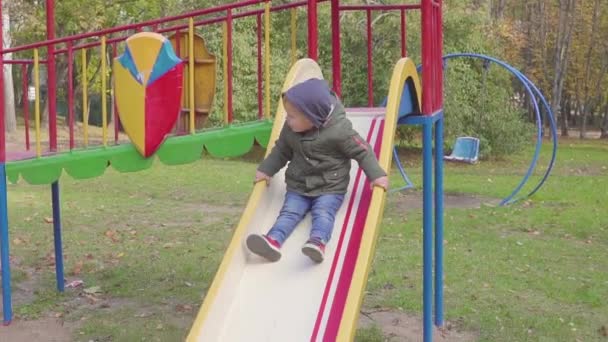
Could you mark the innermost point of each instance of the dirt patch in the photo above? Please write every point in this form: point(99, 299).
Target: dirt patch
point(45, 329)
point(593, 170)
point(210, 213)
point(399, 326)
point(413, 200)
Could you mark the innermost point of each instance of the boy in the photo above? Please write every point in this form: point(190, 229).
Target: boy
point(319, 142)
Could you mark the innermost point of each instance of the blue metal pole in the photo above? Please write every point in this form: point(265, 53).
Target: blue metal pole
point(439, 222)
point(7, 307)
point(408, 182)
point(427, 229)
point(57, 234)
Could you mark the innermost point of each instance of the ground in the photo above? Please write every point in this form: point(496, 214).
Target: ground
point(394, 324)
point(147, 245)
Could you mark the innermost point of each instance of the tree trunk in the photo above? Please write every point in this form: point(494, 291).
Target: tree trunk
point(587, 106)
point(498, 9)
point(567, 109)
point(564, 35)
point(9, 90)
point(582, 133)
point(604, 127)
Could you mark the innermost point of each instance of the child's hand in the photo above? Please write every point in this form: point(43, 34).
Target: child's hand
point(260, 176)
point(381, 182)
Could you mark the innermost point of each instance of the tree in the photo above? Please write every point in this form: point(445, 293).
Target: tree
point(562, 46)
point(590, 99)
point(9, 92)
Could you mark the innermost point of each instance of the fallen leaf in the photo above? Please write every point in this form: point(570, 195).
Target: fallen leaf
point(77, 268)
point(48, 219)
point(603, 331)
point(92, 299)
point(113, 235)
point(17, 241)
point(168, 245)
point(183, 308)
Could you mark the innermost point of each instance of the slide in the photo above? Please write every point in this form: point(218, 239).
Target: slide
point(296, 299)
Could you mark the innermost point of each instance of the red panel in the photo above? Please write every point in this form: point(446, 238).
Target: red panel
point(163, 102)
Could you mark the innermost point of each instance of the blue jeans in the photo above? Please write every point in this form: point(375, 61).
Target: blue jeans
point(323, 209)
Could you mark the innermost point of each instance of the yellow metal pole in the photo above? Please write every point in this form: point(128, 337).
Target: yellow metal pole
point(294, 26)
point(85, 98)
point(37, 101)
point(225, 68)
point(191, 73)
point(104, 105)
point(267, 58)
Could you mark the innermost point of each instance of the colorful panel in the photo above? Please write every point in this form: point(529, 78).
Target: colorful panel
point(149, 78)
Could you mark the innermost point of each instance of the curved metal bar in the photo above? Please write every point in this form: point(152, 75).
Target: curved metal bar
point(529, 86)
point(408, 182)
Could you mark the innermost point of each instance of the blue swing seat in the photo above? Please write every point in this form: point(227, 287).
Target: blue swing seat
point(466, 150)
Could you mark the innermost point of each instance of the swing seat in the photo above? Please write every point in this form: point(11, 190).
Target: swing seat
point(466, 150)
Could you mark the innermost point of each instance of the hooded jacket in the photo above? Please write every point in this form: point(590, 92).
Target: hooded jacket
point(320, 159)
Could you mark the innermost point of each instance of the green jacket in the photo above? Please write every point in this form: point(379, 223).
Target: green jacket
point(320, 159)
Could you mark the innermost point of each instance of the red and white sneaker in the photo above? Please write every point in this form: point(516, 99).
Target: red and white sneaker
point(264, 246)
point(314, 249)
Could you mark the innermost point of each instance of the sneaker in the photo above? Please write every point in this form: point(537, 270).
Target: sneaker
point(314, 249)
point(264, 246)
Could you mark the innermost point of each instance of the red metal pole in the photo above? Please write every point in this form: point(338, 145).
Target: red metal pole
point(51, 79)
point(2, 129)
point(260, 95)
point(313, 50)
point(370, 64)
point(229, 61)
point(71, 93)
point(335, 47)
point(177, 43)
point(26, 105)
point(427, 57)
point(378, 7)
point(403, 35)
point(178, 125)
point(116, 116)
point(440, 52)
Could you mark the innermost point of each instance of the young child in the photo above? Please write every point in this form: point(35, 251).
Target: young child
point(319, 142)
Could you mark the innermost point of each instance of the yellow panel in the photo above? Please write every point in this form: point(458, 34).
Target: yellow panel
point(404, 69)
point(131, 102)
point(204, 72)
point(144, 48)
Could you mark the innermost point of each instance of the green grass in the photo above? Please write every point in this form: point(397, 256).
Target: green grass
point(152, 241)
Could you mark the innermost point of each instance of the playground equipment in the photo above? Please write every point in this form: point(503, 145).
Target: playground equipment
point(204, 64)
point(466, 149)
point(535, 95)
point(338, 297)
point(148, 86)
point(329, 295)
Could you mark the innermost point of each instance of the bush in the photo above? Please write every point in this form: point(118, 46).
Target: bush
point(488, 114)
